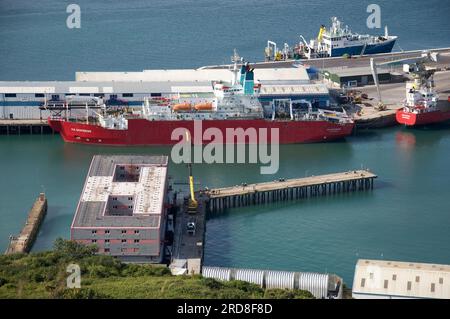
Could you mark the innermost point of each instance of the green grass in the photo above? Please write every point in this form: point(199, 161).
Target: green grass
point(43, 275)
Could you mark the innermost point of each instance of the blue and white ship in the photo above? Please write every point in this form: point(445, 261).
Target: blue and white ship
point(338, 41)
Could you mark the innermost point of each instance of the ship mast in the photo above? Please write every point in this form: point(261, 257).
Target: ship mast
point(235, 59)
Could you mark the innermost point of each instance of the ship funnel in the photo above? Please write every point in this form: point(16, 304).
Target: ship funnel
point(249, 82)
point(243, 71)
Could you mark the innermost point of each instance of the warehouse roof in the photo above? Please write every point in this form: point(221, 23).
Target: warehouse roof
point(349, 71)
point(195, 75)
point(123, 191)
point(401, 279)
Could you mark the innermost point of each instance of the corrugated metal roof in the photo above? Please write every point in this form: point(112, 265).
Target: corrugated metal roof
point(218, 273)
point(317, 284)
point(401, 279)
point(349, 71)
point(250, 275)
point(280, 279)
point(193, 75)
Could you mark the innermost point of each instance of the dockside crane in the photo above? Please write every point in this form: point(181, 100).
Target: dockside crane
point(415, 66)
point(193, 204)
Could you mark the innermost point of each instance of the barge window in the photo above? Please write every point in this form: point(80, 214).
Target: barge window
point(39, 95)
point(363, 282)
point(10, 95)
point(155, 94)
point(127, 95)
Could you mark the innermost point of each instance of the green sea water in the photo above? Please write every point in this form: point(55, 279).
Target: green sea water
point(406, 216)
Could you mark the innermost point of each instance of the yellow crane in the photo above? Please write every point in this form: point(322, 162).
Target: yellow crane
point(321, 31)
point(193, 204)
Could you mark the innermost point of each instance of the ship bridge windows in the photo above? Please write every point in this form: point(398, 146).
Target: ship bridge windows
point(127, 94)
point(155, 94)
point(10, 95)
point(39, 95)
point(84, 94)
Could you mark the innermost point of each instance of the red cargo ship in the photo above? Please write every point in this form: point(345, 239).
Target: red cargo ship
point(235, 106)
point(422, 105)
point(145, 132)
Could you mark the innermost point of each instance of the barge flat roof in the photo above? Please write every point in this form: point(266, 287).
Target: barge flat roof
point(105, 182)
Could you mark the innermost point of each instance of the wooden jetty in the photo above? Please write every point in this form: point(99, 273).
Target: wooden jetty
point(24, 242)
point(24, 127)
point(289, 189)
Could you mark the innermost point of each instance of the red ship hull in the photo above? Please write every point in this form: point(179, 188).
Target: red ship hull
point(412, 119)
point(144, 132)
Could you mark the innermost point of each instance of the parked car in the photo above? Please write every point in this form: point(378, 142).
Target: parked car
point(190, 227)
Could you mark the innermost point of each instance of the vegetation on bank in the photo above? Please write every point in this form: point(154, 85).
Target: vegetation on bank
point(43, 275)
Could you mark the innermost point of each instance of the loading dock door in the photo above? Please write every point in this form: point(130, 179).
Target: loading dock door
point(364, 80)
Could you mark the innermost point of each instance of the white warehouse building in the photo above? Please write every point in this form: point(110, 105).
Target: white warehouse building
point(382, 279)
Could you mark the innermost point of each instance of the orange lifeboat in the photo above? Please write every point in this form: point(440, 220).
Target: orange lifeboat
point(207, 106)
point(182, 107)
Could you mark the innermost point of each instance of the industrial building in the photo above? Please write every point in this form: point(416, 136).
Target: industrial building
point(322, 286)
point(353, 77)
point(122, 208)
point(21, 100)
point(382, 279)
